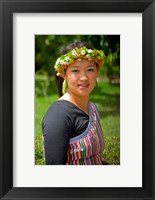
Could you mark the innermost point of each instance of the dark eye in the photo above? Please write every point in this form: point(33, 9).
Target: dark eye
point(75, 70)
point(91, 69)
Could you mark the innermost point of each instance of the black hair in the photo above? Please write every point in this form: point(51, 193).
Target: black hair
point(72, 45)
point(64, 50)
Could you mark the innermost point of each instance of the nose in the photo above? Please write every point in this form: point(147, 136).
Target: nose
point(83, 76)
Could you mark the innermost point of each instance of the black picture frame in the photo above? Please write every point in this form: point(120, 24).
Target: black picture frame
point(7, 8)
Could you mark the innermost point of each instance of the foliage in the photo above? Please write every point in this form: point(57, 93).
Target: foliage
point(39, 155)
point(111, 152)
point(44, 85)
point(41, 85)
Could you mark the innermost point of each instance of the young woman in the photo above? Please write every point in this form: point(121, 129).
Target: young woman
point(71, 127)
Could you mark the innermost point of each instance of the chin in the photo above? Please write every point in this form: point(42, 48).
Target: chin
point(84, 93)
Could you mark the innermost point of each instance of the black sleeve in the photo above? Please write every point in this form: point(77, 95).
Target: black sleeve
point(57, 128)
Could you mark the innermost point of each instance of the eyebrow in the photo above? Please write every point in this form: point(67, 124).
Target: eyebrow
point(91, 65)
point(76, 66)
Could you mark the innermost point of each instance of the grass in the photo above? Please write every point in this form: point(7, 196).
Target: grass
point(107, 99)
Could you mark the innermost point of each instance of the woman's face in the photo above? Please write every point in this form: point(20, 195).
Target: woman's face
point(81, 77)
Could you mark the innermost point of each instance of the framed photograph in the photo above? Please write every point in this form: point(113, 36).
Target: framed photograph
point(22, 22)
point(48, 88)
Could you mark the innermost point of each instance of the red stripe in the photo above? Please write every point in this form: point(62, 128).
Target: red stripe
point(88, 147)
point(77, 154)
point(69, 154)
point(95, 142)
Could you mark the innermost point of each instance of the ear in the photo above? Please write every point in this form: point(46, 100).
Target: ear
point(64, 76)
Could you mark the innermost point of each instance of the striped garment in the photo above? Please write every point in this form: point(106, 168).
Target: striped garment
point(86, 148)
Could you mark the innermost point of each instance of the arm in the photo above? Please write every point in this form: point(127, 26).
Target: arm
point(56, 135)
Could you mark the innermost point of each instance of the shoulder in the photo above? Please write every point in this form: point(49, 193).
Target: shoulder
point(57, 120)
point(57, 106)
point(93, 105)
point(94, 108)
point(57, 111)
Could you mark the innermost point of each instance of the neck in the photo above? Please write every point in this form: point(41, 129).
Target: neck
point(79, 101)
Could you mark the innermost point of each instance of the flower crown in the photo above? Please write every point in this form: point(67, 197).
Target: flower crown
point(78, 54)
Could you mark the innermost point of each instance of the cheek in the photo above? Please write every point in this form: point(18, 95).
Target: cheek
point(94, 76)
point(93, 79)
point(71, 79)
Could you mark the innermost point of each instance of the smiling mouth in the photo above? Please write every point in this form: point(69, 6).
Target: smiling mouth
point(84, 85)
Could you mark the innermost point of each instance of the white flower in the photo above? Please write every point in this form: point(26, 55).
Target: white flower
point(62, 62)
point(67, 58)
point(74, 53)
point(88, 56)
point(65, 63)
point(83, 52)
point(57, 74)
point(90, 50)
point(58, 60)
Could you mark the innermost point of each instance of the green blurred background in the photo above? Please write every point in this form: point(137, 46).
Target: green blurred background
point(106, 94)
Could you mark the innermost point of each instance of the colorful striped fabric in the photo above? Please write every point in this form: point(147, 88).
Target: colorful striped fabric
point(86, 148)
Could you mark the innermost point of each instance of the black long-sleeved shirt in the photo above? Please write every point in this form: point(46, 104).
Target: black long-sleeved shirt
point(63, 121)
